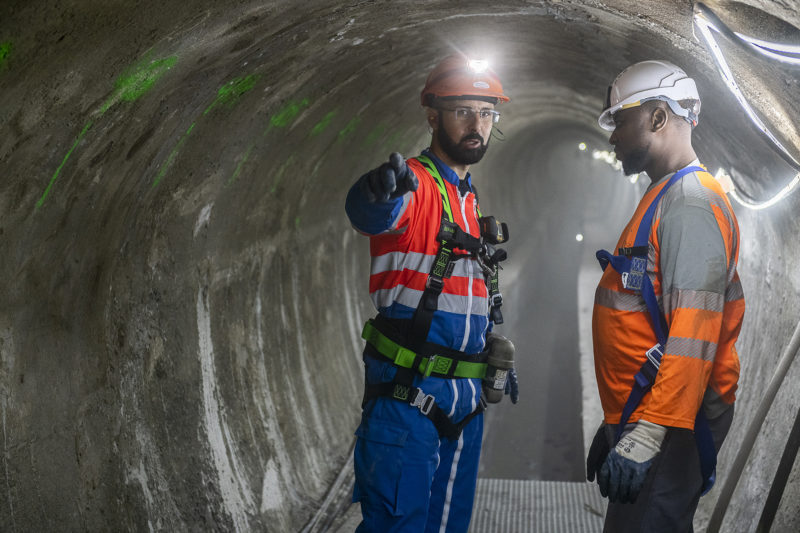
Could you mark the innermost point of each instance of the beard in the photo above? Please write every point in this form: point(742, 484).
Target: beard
point(635, 161)
point(458, 153)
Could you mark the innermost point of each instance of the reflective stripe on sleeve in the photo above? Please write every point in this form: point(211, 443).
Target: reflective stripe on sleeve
point(620, 301)
point(734, 291)
point(694, 348)
point(690, 299)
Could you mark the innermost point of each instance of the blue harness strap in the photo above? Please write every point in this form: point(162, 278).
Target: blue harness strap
point(631, 264)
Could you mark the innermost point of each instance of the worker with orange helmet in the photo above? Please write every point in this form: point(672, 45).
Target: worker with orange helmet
point(432, 360)
point(667, 313)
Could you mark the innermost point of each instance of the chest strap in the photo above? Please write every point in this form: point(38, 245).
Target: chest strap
point(631, 264)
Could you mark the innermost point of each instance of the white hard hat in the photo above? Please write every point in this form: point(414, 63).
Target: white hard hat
point(650, 80)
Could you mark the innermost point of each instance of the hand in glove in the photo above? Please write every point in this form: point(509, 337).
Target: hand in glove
point(622, 475)
point(598, 452)
point(388, 181)
point(512, 387)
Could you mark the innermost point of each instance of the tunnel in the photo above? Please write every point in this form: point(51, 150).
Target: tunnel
point(183, 293)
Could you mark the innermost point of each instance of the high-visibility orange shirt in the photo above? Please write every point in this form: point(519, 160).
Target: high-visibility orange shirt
point(693, 252)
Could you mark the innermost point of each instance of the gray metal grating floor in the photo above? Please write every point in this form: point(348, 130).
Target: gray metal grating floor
point(522, 506)
point(519, 506)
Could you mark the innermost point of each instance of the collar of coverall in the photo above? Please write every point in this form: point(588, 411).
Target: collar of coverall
point(446, 172)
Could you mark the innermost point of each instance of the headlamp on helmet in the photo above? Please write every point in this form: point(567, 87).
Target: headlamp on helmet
point(458, 76)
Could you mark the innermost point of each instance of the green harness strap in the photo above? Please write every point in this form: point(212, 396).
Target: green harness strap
point(446, 250)
point(433, 171)
point(435, 364)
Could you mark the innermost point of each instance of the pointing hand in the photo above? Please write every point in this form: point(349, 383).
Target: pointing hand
point(389, 181)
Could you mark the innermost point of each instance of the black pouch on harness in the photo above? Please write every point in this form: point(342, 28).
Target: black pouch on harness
point(492, 231)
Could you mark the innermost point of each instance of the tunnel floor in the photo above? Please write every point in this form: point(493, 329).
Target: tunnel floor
point(521, 506)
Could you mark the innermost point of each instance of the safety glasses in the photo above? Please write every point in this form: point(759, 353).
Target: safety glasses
point(466, 114)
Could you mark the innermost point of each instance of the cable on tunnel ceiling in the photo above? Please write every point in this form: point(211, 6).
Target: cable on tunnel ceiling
point(706, 20)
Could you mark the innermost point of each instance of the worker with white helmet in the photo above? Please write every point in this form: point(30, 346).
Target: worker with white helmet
point(431, 358)
point(667, 313)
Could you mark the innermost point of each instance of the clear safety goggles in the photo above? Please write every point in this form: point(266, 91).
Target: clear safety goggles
point(466, 114)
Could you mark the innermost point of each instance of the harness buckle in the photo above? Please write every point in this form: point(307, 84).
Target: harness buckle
point(647, 374)
point(424, 402)
point(435, 283)
point(657, 349)
point(429, 366)
point(497, 300)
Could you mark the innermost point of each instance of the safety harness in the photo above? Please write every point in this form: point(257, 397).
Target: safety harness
point(416, 355)
point(631, 264)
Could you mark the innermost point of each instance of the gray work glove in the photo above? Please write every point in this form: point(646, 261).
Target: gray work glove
point(389, 181)
point(623, 474)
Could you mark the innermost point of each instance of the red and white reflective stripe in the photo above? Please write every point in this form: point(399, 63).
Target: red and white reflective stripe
point(418, 262)
point(451, 303)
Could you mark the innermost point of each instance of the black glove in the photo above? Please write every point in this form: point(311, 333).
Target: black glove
point(598, 452)
point(512, 386)
point(388, 181)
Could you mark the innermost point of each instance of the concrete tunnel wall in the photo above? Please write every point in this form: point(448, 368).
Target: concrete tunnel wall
point(183, 295)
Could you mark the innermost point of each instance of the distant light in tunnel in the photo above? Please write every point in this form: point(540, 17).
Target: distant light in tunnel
point(611, 159)
point(582, 147)
point(579, 237)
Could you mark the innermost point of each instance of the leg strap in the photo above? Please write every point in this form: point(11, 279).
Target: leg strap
point(426, 403)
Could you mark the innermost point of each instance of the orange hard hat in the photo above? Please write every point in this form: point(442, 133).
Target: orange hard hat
point(459, 76)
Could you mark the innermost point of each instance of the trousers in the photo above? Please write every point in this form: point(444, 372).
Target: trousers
point(407, 478)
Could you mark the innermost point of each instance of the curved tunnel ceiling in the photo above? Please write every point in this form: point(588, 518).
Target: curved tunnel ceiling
point(179, 332)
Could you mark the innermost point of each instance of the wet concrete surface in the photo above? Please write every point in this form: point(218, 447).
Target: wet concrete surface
point(183, 295)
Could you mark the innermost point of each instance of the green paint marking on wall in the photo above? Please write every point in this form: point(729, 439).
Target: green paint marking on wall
point(285, 116)
point(373, 136)
point(322, 124)
point(238, 170)
point(139, 79)
point(231, 91)
point(5, 51)
point(349, 128)
point(162, 172)
point(393, 142)
point(279, 174)
point(58, 170)
point(296, 222)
